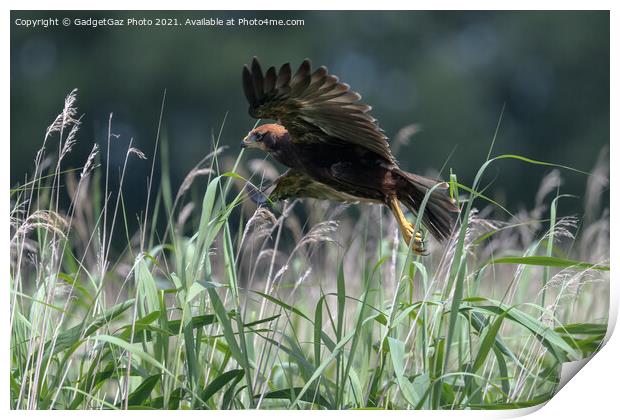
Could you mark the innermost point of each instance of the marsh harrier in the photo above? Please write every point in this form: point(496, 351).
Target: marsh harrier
point(334, 148)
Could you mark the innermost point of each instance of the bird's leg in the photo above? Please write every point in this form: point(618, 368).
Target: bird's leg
point(407, 228)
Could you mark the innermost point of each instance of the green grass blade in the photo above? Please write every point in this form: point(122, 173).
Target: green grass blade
point(310, 396)
point(548, 262)
point(227, 328)
point(397, 354)
point(488, 342)
point(143, 391)
point(220, 382)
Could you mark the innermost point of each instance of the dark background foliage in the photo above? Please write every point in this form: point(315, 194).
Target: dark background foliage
point(451, 72)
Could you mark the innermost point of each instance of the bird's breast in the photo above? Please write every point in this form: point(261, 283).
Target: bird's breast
point(352, 170)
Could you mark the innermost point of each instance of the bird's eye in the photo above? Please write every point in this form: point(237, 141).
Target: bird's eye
point(258, 136)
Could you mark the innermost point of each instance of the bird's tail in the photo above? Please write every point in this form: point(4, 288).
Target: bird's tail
point(440, 214)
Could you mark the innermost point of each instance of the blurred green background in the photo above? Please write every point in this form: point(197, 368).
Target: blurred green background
point(450, 72)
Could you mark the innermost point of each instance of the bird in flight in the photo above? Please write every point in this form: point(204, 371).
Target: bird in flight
point(335, 150)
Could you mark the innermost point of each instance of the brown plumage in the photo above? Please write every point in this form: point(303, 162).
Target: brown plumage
point(335, 149)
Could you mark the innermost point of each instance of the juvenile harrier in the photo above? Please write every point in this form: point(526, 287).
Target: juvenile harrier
point(335, 149)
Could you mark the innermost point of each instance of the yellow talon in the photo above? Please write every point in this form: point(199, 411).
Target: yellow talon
point(406, 228)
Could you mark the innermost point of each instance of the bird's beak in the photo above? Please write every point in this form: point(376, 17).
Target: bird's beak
point(245, 142)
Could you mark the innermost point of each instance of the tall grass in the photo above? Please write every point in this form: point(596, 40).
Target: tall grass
point(304, 305)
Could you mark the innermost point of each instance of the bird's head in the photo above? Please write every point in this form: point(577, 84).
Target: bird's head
point(265, 137)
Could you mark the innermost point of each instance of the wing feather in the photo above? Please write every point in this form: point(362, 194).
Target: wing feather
point(284, 76)
point(295, 184)
point(248, 87)
point(270, 79)
point(313, 106)
point(257, 79)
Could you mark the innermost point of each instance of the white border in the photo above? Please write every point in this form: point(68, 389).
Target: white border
point(592, 393)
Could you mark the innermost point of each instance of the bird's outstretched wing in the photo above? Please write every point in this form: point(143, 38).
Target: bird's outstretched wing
point(313, 106)
point(295, 184)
